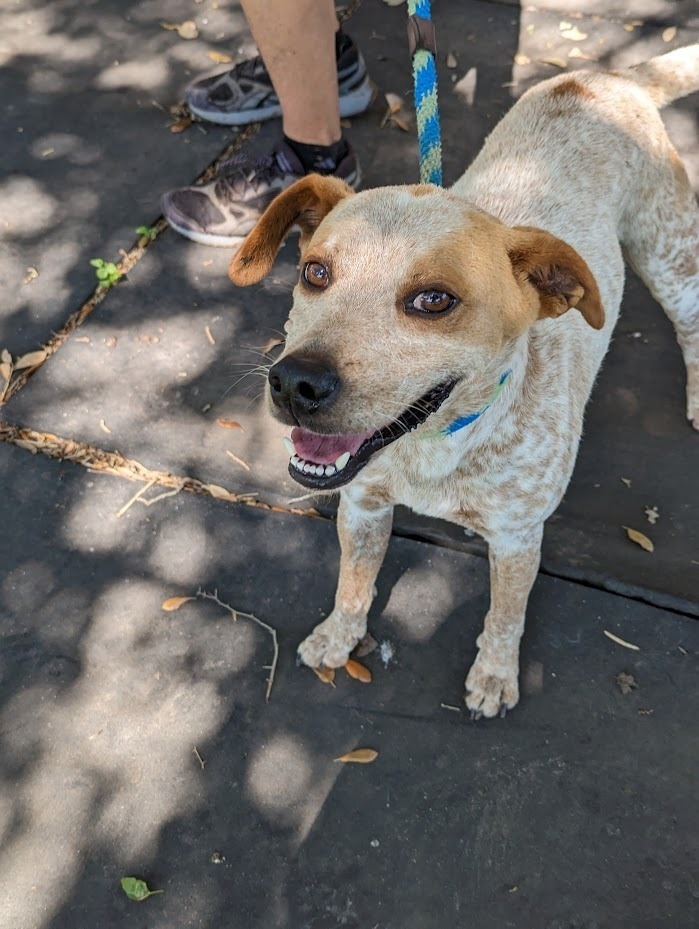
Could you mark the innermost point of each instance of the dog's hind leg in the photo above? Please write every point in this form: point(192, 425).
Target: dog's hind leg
point(661, 238)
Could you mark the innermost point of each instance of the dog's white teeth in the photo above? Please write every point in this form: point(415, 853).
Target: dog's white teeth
point(330, 469)
point(307, 468)
point(295, 460)
point(289, 446)
point(342, 461)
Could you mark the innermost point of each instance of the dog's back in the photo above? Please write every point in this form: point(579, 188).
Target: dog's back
point(586, 156)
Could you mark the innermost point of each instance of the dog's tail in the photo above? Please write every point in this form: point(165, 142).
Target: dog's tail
point(668, 77)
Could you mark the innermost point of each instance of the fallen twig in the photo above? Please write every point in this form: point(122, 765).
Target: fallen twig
point(199, 758)
point(615, 638)
point(134, 498)
point(98, 461)
point(205, 595)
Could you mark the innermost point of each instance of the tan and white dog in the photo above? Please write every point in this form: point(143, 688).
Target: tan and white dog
point(430, 357)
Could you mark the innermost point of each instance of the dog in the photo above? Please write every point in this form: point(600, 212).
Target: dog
point(443, 344)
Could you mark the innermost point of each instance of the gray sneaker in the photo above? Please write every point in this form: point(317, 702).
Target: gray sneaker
point(244, 94)
point(225, 210)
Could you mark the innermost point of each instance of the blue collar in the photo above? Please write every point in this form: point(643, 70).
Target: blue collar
point(464, 421)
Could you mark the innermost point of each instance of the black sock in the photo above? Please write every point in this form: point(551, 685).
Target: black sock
point(323, 159)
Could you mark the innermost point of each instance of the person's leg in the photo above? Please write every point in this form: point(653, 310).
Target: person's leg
point(296, 39)
point(305, 62)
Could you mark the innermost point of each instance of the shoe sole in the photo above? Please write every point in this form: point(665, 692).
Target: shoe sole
point(351, 104)
point(229, 241)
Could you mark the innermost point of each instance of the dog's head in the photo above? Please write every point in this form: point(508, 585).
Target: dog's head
point(404, 292)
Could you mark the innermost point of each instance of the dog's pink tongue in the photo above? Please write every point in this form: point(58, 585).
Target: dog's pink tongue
point(325, 449)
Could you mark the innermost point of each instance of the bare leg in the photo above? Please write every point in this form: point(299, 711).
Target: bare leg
point(296, 39)
point(364, 531)
point(492, 685)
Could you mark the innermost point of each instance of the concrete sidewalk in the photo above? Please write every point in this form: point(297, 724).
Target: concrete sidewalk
point(576, 811)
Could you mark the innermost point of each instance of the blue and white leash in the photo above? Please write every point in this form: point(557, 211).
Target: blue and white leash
point(423, 50)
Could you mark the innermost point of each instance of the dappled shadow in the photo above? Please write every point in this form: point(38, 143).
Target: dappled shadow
point(98, 730)
point(86, 152)
point(103, 697)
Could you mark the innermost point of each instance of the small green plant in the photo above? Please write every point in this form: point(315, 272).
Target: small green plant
point(147, 232)
point(107, 272)
point(137, 890)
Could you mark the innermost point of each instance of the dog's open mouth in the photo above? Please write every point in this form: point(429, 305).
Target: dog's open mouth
point(324, 462)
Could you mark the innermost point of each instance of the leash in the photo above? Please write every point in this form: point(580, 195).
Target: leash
point(423, 51)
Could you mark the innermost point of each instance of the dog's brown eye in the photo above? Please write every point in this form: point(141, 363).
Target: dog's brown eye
point(316, 274)
point(433, 302)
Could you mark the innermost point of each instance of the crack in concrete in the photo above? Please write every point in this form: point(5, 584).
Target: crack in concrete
point(129, 260)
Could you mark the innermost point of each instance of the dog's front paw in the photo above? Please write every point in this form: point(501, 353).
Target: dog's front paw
point(330, 643)
point(492, 687)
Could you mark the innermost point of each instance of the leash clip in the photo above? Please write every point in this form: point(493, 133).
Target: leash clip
point(421, 35)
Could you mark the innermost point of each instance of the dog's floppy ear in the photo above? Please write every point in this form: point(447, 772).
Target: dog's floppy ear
point(559, 274)
point(304, 204)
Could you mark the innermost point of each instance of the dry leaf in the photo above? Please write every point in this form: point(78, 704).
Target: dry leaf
point(393, 2)
point(401, 123)
point(174, 603)
point(626, 682)
point(574, 34)
point(360, 756)
point(626, 480)
point(111, 342)
point(466, 87)
point(326, 675)
point(358, 671)
point(32, 275)
point(564, 25)
point(365, 646)
point(629, 27)
point(209, 336)
point(555, 62)
point(228, 423)
point(346, 123)
point(5, 357)
point(5, 370)
point(640, 539)
point(576, 53)
point(451, 60)
point(220, 58)
point(645, 712)
point(31, 359)
point(219, 492)
point(104, 427)
point(522, 60)
point(652, 514)
point(238, 461)
point(270, 344)
point(83, 338)
point(181, 124)
point(669, 33)
point(615, 638)
point(186, 30)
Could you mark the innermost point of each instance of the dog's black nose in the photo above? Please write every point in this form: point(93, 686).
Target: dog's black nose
point(303, 385)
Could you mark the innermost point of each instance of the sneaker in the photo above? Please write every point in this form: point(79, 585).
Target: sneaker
point(225, 210)
point(245, 93)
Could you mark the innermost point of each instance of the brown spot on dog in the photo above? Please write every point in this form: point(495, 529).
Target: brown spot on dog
point(421, 190)
point(572, 88)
